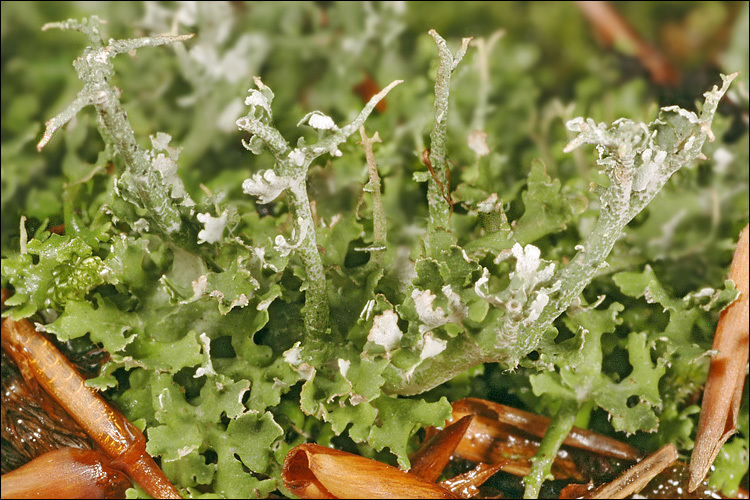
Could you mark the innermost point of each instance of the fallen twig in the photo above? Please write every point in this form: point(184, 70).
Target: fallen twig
point(726, 375)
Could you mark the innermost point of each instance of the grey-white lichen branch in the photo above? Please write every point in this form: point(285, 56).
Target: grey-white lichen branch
point(290, 174)
point(638, 159)
point(438, 195)
point(147, 182)
point(380, 227)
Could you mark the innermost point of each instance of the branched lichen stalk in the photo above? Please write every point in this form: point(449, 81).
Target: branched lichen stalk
point(141, 184)
point(638, 159)
point(290, 173)
point(541, 464)
point(615, 216)
point(316, 296)
point(438, 206)
point(380, 227)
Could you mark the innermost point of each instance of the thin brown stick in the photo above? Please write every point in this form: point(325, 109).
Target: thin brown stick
point(467, 485)
point(537, 425)
point(726, 375)
point(638, 476)
point(119, 439)
point(614, 29)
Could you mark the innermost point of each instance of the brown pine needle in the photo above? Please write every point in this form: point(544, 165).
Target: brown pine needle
point(429, 462)
point(726, 375)
point(638, 476)
point(467, 485)
point(116, 436)
point(314, 471)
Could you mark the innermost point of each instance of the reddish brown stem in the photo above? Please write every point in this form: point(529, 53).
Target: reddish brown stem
point(638, 476)
point(537, 426)
point(119, 439)
point(613, 29)
point(726, 375)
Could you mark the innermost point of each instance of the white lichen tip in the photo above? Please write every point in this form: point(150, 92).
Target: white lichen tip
point(586, 129)
point(266, 185)
point(24, 236)
point(437, 316)
point(431, 317)
point(527, 260)
point(385, 331)
point(160, 142)
point(208, 368)
point(167, 167)
point(213, 227)
point(259, 83)
point(489, 205)
point(297, 157)
point(536, 307)
point(432, 346)
point(141, 225)
point(319, 121)
point(344, 365)
point(255, 98)
point(367, 310)
point(199, 289)
point(293, 356)
point(387, 89)
point(477, 142)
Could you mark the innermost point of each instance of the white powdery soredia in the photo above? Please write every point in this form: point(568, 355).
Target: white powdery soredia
point(432, 346)
point(527, 266)
point(481, 288)
point(297, 157)
point(167, 166)
point(535, 308)
point(213, 227)
point(207, 368)
point(489, 205)
point(526, 297)
point(385, 331)
point(431, 317)
point(527, 260)
point(319, 121)
point(141, 225)
point(650, 165)
point(255, 98)
point(435, 317)
point(266, 185)
point(344, 365)
point(293, 356)
point(283, 246)
point(429, 348)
